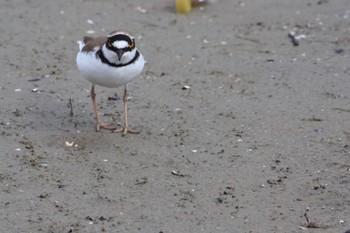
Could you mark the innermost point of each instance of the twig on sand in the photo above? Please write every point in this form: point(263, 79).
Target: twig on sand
point(313, 224)
point(70, 104)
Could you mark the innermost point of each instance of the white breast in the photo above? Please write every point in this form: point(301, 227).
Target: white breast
point(104, 75)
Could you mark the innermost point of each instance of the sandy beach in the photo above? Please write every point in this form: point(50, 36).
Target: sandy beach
point(243, 110)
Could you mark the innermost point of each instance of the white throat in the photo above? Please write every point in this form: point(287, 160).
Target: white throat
point(113, 58)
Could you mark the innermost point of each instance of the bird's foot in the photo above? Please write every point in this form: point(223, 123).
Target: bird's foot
point(124, 130)
point(101, 125)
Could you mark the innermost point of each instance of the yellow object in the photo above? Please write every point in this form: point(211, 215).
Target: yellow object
point(183, 6)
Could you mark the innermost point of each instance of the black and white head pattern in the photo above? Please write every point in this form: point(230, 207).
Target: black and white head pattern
point(120, 43)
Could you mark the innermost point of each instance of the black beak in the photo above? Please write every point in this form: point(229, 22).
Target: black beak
point(120, 53)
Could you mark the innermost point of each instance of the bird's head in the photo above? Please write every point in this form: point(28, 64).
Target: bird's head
point(122, 44)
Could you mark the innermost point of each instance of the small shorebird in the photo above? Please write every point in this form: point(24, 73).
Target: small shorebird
point(111, 62)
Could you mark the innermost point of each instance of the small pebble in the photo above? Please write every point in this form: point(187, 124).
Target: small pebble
point(339, 50)
point(89, 21)
point(141, 10)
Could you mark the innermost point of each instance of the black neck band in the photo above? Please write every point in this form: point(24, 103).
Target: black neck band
point(104, 60)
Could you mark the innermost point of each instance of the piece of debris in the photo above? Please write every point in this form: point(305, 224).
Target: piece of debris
point(196, 3)
point(70, 105)
point(36, 90)
point(313, 119)
point(142, 181)
point(295, 38)
point(34, 80)
point(113, 98)
point(141, 10)
point(69, 144)
point(177, 173)
point(184, 6)
point(89, 21)
point(312, 224)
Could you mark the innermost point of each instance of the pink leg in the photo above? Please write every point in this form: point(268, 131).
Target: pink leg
point(99, 124)
point(126, 128)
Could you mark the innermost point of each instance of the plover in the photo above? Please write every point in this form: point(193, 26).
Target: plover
point(111, 62)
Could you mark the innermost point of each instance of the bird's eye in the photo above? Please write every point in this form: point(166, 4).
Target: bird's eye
point(132, 44)
point(109, 44)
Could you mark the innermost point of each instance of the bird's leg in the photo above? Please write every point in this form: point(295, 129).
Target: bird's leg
point(99, 124)
point(126, 128)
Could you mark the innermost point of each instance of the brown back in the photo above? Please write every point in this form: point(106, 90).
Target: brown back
point(93, 42)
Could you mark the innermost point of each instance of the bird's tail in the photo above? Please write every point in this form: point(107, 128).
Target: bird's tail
point(81, 44)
